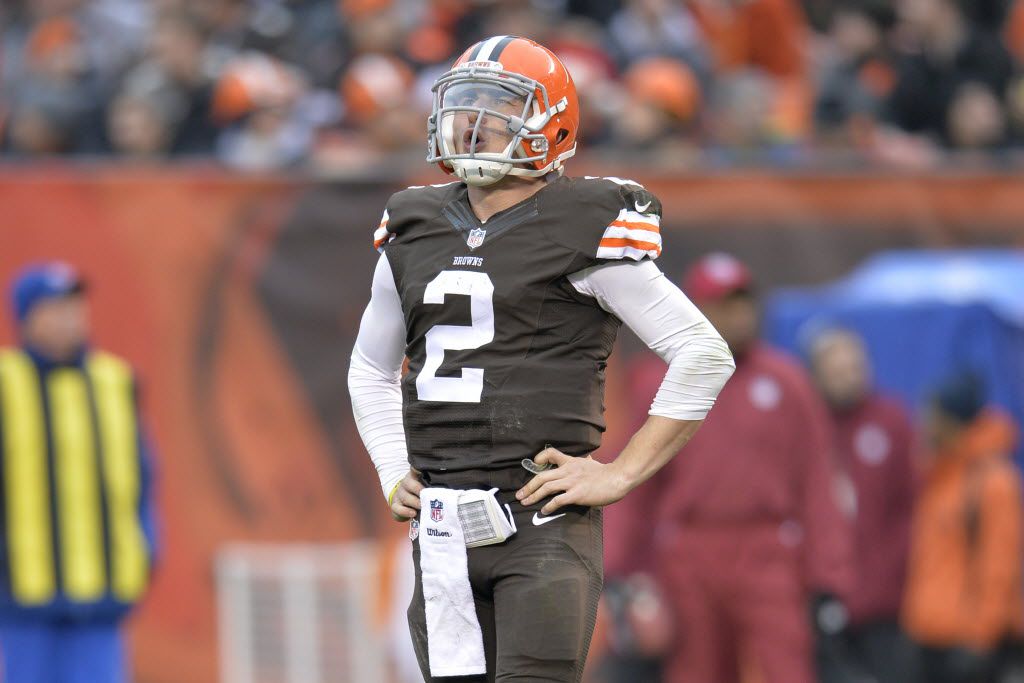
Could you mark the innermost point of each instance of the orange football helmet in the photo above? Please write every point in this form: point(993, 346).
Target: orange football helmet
point(503, 88)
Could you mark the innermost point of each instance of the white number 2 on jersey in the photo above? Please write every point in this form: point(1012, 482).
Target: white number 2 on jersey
point(480, 290)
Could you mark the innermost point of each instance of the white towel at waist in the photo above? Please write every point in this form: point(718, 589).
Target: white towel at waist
point(455, 643)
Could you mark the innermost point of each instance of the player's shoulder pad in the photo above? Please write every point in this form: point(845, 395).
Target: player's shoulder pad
point(406, 207)
point(631, 225)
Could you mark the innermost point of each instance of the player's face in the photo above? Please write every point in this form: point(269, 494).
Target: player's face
point(492, 133)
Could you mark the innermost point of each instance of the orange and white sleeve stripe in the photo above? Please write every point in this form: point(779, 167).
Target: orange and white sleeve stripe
point(381, 235)
point(631, 235)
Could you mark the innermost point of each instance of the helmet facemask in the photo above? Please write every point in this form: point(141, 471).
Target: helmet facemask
point(488, 123)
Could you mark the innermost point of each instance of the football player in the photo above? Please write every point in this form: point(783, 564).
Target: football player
point(505, 290)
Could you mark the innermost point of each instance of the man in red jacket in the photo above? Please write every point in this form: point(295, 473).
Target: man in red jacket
point(875, 446)
point(742, 529)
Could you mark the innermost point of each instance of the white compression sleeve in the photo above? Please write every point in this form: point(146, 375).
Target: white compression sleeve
point(658, 312)
point(374, 377)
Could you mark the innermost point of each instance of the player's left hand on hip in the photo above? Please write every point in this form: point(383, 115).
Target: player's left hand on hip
point(575, 480)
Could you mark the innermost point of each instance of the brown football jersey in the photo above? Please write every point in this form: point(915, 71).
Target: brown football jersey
point(505, 356)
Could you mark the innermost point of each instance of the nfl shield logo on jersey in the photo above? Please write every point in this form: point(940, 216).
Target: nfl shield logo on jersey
point(436, 510)
point(476, 237)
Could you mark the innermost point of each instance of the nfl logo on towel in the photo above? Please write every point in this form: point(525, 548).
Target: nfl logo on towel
point(436, 510)
point(476, 238)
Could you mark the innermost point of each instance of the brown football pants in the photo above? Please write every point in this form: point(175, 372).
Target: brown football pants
point(536, 594)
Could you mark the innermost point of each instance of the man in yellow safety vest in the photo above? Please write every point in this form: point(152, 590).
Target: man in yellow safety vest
point(77, 533)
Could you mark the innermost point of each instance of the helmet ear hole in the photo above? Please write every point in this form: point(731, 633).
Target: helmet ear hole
point(561, 135)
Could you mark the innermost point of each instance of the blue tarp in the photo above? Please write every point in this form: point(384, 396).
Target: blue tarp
point(923, 315)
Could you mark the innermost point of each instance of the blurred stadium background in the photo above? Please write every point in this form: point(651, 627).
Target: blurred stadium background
point(216, 169)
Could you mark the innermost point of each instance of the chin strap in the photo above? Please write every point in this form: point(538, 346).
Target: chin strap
point(475, 172)
point(555, 164)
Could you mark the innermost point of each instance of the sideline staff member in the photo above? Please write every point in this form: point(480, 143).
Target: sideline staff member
point(76, 520)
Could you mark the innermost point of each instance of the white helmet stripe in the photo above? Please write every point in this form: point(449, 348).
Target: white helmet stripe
point(485, 50)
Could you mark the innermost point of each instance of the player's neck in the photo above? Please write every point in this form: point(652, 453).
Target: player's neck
point(509, 191)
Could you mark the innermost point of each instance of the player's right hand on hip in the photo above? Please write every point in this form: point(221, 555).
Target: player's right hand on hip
point(405, 502)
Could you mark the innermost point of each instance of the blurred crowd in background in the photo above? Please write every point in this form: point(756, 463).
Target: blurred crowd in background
point(267, 84)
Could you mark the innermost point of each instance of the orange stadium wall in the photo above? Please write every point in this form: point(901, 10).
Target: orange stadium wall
point(237, 299)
